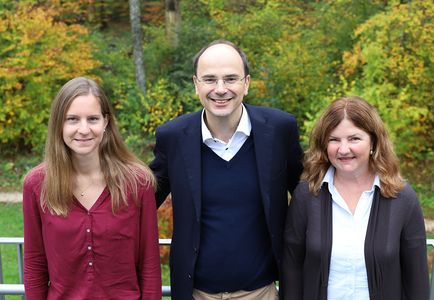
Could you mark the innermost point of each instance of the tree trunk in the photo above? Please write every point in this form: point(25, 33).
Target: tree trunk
point(173, 22)
point(136, 31)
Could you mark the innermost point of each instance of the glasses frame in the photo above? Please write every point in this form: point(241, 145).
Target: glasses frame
point(216, 81)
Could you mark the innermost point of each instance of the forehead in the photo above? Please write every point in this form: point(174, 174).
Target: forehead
point(347, 127)
point(84, 104)
point(220, 59)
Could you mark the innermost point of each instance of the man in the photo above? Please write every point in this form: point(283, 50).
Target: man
point(229, 168)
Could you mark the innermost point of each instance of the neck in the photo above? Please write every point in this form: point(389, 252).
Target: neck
point(87, 167)
point(364, 179)
point(223, 128)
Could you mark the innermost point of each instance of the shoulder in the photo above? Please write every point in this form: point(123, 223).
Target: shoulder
point(282, 122)
point(270, 113)
point(302, 188)
point(408, 193)
point(405, 204)
point(143, 176)
point(180, 122)
point(406, 197)
point(35, 176)
point(303, 194)
point(33, 181)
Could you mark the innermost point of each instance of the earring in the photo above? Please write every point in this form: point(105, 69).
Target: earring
point(371, 152)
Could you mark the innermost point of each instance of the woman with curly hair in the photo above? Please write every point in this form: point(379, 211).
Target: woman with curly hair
point(354, 228)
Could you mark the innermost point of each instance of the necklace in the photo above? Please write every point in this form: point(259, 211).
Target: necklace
point(94, 180)
point(82, 192)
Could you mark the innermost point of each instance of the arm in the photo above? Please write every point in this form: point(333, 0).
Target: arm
point(35, 261)
point(414, 267)
point(294, 249)
point(160, 169)
point(149, 269)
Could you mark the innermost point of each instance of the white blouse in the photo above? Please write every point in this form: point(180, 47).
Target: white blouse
point(348, 277)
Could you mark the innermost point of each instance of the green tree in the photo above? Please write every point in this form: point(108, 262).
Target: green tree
point(391, 66)
point(38, 55)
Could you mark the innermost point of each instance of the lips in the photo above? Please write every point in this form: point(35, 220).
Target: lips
point(83, 140)
point(220, 100)
point(345, 159)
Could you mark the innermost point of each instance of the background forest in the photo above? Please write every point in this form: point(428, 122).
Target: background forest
point(303, 54)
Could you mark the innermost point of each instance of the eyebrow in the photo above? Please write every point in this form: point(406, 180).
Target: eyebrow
point(352, 135)
point(224, 76)
point(75, 115)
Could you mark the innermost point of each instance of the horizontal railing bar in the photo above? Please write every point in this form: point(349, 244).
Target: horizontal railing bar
point(18, 289)
point(11, 240)
point(11, 289)
point(162, 242)
point(20, 240)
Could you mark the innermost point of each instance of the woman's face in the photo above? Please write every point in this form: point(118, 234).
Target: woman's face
point(348, 149)
point(83, 127)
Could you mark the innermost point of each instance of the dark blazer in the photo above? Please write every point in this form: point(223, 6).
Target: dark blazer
point(177, 166)
point(395, 246)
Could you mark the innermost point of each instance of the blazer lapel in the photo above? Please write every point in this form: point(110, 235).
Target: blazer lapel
point(263, 136)
point(190, 143)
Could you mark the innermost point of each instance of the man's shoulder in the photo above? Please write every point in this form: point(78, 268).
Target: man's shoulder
point(269, 112)
point(180, 122)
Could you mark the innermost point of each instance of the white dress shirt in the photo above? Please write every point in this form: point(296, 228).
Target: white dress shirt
point(348, 277)
point(228, 150)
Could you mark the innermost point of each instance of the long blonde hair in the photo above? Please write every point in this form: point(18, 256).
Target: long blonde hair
point(123, 171)
point(383, 160)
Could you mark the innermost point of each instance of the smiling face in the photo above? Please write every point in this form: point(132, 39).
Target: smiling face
point(221, 101)
point(348, 149)
point(83, 127)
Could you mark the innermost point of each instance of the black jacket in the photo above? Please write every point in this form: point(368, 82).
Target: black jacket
point(395, 247)
point(177, 166)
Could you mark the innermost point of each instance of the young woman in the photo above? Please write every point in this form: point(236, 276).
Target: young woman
point(354, 228)
point(90, 221)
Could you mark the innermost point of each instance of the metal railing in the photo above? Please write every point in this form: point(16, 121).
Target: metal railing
point(18, 289)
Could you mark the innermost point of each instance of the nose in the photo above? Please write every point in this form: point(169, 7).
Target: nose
point(220, 87)
point(344, 148)
point(83, 128)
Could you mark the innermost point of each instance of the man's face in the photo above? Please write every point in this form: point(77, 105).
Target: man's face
point(221, 83)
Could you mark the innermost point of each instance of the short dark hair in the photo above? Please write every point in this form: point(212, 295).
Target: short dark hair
point(224, 42)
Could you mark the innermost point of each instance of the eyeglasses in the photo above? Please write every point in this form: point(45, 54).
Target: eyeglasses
point(227, 81)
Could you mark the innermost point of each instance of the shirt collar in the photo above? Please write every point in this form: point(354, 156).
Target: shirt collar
point(328, 177)
point(244, 126)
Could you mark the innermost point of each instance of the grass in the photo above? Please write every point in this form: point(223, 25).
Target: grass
point(11, 225)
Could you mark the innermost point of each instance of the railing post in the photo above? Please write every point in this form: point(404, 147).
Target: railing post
point(20, 265)
point(431, 297)
point(1, 273)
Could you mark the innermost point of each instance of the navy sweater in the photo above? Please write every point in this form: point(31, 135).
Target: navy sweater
point(235, 251)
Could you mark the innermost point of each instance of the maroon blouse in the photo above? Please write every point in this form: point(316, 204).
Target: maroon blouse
point(90, 254)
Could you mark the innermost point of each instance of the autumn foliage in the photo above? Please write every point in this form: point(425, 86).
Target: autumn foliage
point(302, 55)
point(38, 54)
